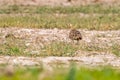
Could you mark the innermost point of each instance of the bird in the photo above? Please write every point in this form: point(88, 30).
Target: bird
point(74, 34)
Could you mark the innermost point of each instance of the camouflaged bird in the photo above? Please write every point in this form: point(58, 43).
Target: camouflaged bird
point(75, 35)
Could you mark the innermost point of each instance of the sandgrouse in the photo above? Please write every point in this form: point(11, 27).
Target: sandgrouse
point(75, 35)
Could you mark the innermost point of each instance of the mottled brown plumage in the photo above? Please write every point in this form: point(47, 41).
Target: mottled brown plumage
point(75, 35)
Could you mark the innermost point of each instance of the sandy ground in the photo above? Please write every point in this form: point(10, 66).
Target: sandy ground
point(48, 62)
point(39, 37)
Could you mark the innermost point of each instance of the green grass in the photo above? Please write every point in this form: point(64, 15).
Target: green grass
point(59, 49)
point(18, 48)
point(22, 73)
point(70, 49)
point(71, 73)
point(102, 74)
point(116, 49)
point(86, 74)
point(12, 46)
point(103, 22)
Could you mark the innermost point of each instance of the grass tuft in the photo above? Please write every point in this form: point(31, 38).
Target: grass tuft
point(116, 49)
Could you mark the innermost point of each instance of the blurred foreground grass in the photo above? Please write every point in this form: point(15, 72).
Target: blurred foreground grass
point(71, 73)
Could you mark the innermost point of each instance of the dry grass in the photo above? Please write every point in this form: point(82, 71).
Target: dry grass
point(103, 22)
point(92, 17)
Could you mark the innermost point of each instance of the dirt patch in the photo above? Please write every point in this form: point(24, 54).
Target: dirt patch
point(48, 62)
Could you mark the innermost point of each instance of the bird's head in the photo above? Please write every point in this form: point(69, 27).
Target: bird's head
point(71, 27)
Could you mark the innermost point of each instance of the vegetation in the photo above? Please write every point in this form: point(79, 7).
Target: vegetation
point(12, 46)
point(72, 73)
point(97, 8)
point(67, 49)
point(59, 49)
point(18, 47)
point(92, 17)
point(116, 49)
point(28, 73)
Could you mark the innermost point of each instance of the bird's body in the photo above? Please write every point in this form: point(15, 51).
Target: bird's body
point(75, 35)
